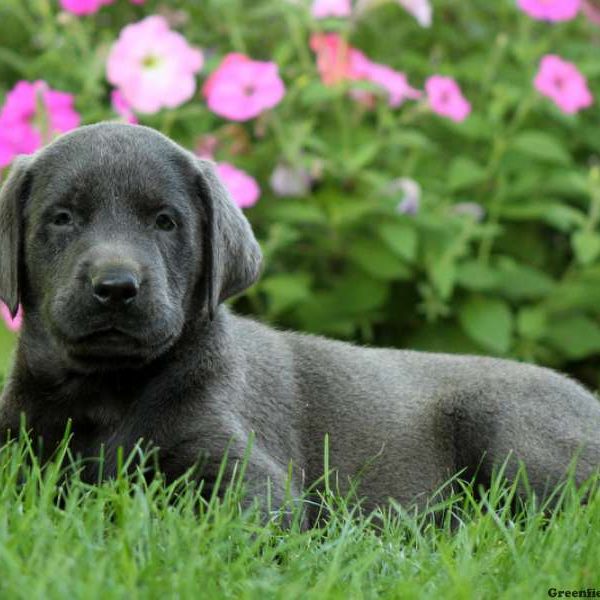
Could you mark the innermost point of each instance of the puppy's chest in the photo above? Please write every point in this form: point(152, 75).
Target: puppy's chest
point(95, 416)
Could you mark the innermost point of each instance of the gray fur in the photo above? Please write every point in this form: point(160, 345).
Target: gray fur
point(186, 374)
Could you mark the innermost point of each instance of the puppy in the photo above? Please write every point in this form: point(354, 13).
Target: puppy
point(121, 248)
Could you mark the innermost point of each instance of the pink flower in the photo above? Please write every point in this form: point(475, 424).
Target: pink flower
point(122, 107)
point(241, 88)
point(337, 61)
point(206, 145)
point(20, 118)
point(322, 9)
point(152, 66)
point(591, 9)
point(12, 324)
point(550, 10)
point(446, 99)
point(83, 7)
point(420, 9)
point(243, 189)
point(87, 7)
point(393, 82)
point(562, 82)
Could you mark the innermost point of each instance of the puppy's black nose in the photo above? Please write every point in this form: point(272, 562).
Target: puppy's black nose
point(115, 286)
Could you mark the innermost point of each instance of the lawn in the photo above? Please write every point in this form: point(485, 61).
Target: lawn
point(61, 538)
point(425, 180)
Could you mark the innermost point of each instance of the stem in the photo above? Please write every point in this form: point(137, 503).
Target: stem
point(594, 214)
point(501, 145)
point(299, 42)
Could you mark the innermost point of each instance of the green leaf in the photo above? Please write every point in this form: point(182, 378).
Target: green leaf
point(542, 146)
point(357, 294)
point(320, 314)
point(563, 217)
point(442, 274)
point(522, 282)
point(412, 138)
point(442, 337)
point(576, 336)
point(296, 211)
point(581, 291)
point(560, 216)
point(315, 93)
point(473, 128)
point(531, 322)
point(489, 322)
point(365, 154)
point(347, 210)
point(464, 173)
point(475, 275)
point(586, 245)
point(286, 291)
point(376, 260)
point(400, 238)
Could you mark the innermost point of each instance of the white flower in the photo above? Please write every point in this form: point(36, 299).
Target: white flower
point(420, 9)
point(410, 191)
point(290, 181)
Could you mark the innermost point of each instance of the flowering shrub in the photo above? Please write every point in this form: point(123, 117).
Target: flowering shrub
point(241, 88)
point(33, 113)
point(420, 174)
point(551, 10)
point(152, 66)
point(562, 82)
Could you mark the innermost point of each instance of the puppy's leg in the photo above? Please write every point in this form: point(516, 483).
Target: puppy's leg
point(540, 418)
point(275, 488)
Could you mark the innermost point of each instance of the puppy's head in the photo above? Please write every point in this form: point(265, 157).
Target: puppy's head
point(112, 236)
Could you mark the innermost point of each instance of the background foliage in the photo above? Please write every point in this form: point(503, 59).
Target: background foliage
point(523, 281)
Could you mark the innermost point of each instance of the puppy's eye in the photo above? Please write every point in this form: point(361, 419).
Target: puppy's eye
point(62, 218)
point(165, 222)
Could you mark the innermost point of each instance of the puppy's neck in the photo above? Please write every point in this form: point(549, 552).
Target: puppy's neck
point(42, 362)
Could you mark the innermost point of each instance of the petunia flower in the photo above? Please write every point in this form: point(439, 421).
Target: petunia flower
point(550, 10)
point(206, 145)
point(241, 88)
point(410, 191)
point(87, 7)
point(337, 62)
point(563, 83)
point(12, 324)
point(446, 99)
point(287, 181)
point(321, 9)
point(591, 9)
point(26, 107)
point(420, 9)
point(243, 188)
point(393, 82)
point(152, 66)
point(122, 107)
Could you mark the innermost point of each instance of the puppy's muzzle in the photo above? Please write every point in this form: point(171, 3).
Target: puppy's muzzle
point(115, 286)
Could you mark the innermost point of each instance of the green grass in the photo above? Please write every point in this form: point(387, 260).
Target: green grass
point(61, 538)
point(7, 340)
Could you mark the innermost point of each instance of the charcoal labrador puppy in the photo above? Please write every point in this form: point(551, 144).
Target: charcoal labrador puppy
point(121, 247)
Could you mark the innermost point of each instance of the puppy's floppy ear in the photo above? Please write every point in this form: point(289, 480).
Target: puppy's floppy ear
point(12, 199)
point(232, 256)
